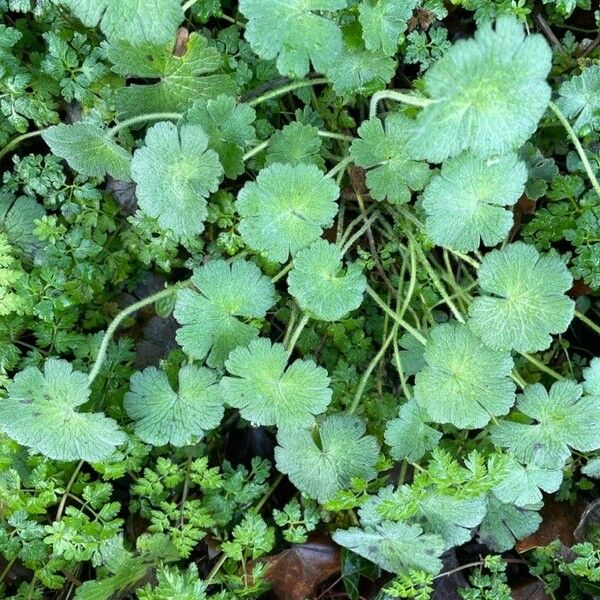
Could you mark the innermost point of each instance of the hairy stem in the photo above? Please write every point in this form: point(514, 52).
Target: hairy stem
point(582, 155)
point(259, 148)
point(541, 366)
point(16, 141)
point(161, 116)
point(399, 97)
point(290, 87)
point(296, 334)
point(593, 326)
point(360, 232)
point(112, 328)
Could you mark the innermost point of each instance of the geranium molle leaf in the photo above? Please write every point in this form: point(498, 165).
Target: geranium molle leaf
point(563, 419)
point(89, 150)
point(295, 144)
point(463, 382)
point(523, 299)
point(321, 470)
point(487, 93)
point(268, 392)
point(294, 33)
point(163, 415)
point(286, 209)
point(41, 413)
point(580, 98)
point(591, 377)
point(321, 286)
point(393, 173)
point(212, 315)
point(383, 22)
point(465, 203)
point(175, 172)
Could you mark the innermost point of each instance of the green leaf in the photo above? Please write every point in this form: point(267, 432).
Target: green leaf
point(210, 314)
point(412, 354)
point(506, 523)
point(395, 547)
point(295, 144)
point(40, 413)
point(591, 378)
point(175, 172)
point(358, 71)
point(286, 209)
point(463, 382)
point(488, 94)
point(465, 202)
point(293, 32)
point(89, 150)
point(165, 416)
point(393, 173)
point(181, 79)
point(580, 97)
point(383, 21)
point(320, 470)
point(320, 285)
point(229, 128)
point(174, 583)
point(17, 220)
point(522, 484)
point(408, 436)
point(268, 393)
point(134, 20)
point(523, 299)
point(563, 419)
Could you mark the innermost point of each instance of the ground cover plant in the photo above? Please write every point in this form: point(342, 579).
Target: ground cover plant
point(299, 299)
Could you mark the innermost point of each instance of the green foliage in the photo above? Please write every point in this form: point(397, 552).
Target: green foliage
point(579, 98)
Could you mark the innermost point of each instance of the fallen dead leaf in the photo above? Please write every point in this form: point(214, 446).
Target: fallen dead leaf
point(296, 573)
point(560, 519)
point(529, 589)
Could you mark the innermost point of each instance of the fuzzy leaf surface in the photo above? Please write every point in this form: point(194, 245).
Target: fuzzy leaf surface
point(580, 98)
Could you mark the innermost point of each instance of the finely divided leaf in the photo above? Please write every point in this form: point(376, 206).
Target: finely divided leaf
point(229, 128)
point(166, 416)
point(40, 412)
point(343, 453)
point(564, 419)
point(175, 172)
point(409, 436)
point(524, 299)
point(393, 174)
point(580, 97)
point(295, 32)
point(487, 94)
point(463, 382)
point(211, 314)
point(268, 392)
point(134, 20)
point(395, 547)
point(181, 79)
point(89, 150)
point(321, 286)
point(465, 203)
point(286, 209)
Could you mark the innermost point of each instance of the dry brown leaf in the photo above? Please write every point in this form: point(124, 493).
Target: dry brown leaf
point(296, 573)
point(529, 589)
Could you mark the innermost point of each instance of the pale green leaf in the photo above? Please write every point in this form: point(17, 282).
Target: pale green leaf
point(395, 547)
point(523, 485)
point(487, 93)
point(181, 79)
point(393, 174)
point(463, 382)
point(175, 172)
point(133, 20)
point(166, 416)
point(286, 209)
point(212, 316)
point(40, 412)
point(563, 419)
point(580, 98)
point(465, 203)
point(504, 524)
point(17, 220)
point(295, 144)
point(591, 378)
point(268, 392)
point(320, 470)
point(229, 128)
point(383, 21)
point(409, 436)
point(295, 32)
point(523, 299)
point(89, 150)
point(320, 284)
